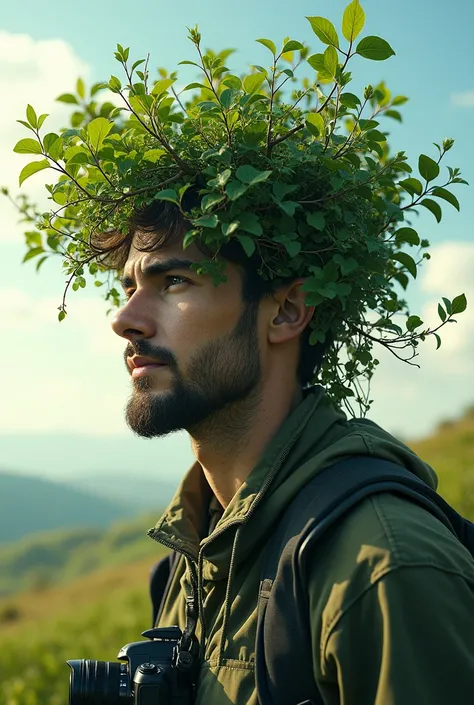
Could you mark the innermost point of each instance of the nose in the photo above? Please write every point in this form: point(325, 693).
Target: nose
point(134, 320)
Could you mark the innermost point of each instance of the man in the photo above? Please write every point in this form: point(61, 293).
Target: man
point(390, 589)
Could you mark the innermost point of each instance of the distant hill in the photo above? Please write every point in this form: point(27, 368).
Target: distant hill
point(33, 505)
point(55, 557)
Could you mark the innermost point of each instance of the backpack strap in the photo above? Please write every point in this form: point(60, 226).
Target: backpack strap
point(161, 576)
point(284, 666)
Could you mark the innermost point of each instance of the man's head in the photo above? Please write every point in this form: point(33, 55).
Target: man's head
point(220, 346)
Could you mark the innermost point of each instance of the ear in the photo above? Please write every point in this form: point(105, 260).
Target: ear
point(289, 315)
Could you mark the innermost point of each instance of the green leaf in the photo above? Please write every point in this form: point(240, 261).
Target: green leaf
point(253, 82)
point(212, 199)
point(459, 304)
point(280, 190)
point(97, 131)
point(432, 206)
point(324, 30)
point(115, 84)
point(235, 189)
point(376, 136)
point(368, 124)
point(229, 228)
point(249, 175)
point(292, 247)
point(447, 196)
point(28, 146)
point(34, 252)
point(168, 194)
point(407, 235)
point(412, 185)
point(162, 86)
point(413, 322)
point(315, 124)
point(292, 45)
point(250, 223)
point(41, 120)
point(62, 315)
point(353, 20)
point(67, 98)
point(247, 243)
point(447, 303)
point(80, 88)
point(32, 168)
point(374, 48)
point(394, 114)
point(269, 44)
point(407, 261)
point(316, 220)
point(233, 82)
point(427, 167)
point(31, 116)
point(438, 341)
point(399, 100)
point(330, 60)
point(441, 313)
point(220, 180)
point(349, 100)
point(207, 221)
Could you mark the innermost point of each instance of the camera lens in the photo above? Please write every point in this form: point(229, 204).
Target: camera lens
point(98, 682)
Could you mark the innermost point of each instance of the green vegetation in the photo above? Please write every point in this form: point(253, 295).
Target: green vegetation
point(38, 561)
point(93, 616)
point(294, 170)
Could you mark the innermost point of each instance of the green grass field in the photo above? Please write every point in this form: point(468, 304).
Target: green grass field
point(94, 615)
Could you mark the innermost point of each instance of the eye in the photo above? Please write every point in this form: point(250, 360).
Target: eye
point(174, 277)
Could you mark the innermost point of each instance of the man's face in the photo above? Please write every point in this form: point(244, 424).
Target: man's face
point(208, 342)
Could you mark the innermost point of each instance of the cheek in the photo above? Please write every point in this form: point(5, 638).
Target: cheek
point(206, 318)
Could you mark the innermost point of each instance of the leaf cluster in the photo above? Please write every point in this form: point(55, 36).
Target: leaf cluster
point(298, 171)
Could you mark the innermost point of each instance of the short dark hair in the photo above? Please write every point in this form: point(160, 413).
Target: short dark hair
point(160, 224)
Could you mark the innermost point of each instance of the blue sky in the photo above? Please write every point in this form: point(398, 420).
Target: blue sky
point(70, 378)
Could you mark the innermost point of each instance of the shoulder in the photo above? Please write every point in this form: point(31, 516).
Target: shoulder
point(383, 534)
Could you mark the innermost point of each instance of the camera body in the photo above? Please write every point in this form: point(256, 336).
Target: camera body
point(154, 672)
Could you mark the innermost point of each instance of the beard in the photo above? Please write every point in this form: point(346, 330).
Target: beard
point(217, 395)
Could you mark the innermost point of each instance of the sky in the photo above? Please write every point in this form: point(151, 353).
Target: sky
point(64, 386)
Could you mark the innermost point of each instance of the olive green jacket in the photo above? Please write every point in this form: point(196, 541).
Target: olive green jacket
point(391, 590)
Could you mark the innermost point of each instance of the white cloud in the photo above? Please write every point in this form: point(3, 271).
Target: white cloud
point(33, 72)
point(464, 99)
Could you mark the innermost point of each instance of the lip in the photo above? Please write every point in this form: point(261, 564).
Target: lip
point(146, 369)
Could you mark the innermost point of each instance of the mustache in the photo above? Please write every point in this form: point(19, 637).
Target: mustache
point(145, 349)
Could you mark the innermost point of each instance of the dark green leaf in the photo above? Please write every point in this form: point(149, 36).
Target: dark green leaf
point(448, 305)
point(316, 220)
point(447, 196)
point(459, 304)
point(68, 98)
point(432, 206)
point(250, 223)
point(207, 221)
point(280, 190)
point(441, 313)
point(368, 124)
point(28, 146)
point(407, 235)
point(374, 48)
point(407, 261)
point(353, 20)
point(292, 46)
point(235, 189)
point(269, 44)
point(249, 175)
point(427, 167)
point(413, 322)
point(412, 185)
point(247, 243)
point(394, 114)
point(438, 341)
point(32, 168)
point(229, 228)
point(168, 194)
point(349, 100)
point(212, 199)
point(376, 136)
point(292, 247)
point(324, 30)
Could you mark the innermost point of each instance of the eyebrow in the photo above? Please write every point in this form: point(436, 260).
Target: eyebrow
point(155, 268)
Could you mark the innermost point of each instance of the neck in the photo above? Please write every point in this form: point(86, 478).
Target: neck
point(229, 445)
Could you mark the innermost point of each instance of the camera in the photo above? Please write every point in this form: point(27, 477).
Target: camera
point(154, 672)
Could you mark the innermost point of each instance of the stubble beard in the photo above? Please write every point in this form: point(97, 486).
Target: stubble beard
point(221, 388)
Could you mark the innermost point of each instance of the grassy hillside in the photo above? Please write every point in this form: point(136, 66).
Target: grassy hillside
point(93, 616)
point(31, 504)
point(54, 557)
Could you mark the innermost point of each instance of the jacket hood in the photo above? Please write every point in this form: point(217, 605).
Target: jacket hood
point(313, 436)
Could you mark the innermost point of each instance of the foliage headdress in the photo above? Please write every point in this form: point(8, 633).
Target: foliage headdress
point(302, 178)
